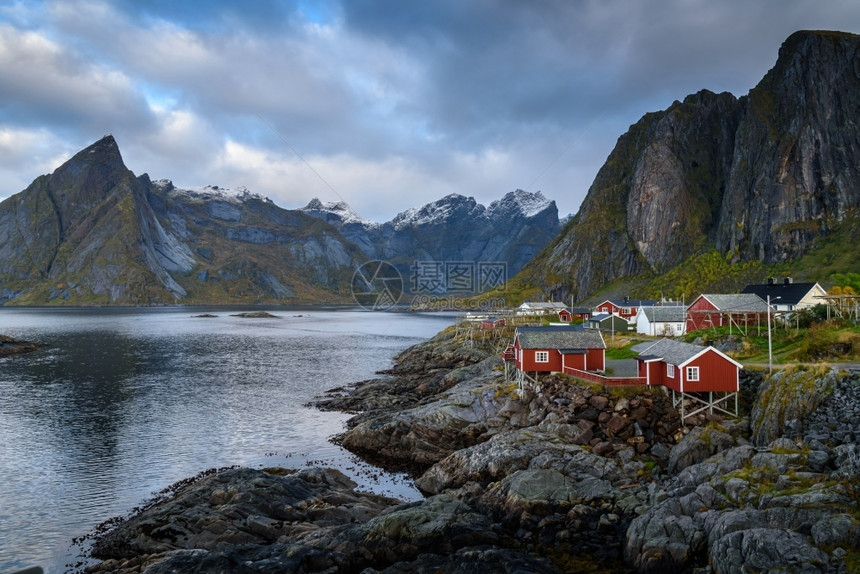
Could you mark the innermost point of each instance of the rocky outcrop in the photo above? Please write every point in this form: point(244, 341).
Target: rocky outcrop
point(243, 520)
point(756, 178)
point(557, 477)
point(787, 398)
point(784, 506)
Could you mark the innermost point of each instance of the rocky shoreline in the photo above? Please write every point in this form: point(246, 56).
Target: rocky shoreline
point(565, 478)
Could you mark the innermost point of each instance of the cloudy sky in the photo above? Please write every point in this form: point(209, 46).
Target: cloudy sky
point(386, 104)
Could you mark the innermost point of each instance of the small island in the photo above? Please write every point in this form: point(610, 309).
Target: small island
point(256, 315)
point(10, 346)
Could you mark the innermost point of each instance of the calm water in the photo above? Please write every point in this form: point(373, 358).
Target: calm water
point(119, 404)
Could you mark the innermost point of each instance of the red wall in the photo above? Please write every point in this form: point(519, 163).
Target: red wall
point(575, 362)
point(595, 359)
point(715, 374)
point(592, 360)
point(696, 321)
point(616, 310)
point(529, 364)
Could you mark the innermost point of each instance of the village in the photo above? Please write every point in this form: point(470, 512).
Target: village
point(553, 338)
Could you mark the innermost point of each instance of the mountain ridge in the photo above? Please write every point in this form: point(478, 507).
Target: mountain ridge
point(93, 233)
point(453, 228)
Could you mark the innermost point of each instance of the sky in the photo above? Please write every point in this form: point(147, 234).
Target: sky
point(383, 104)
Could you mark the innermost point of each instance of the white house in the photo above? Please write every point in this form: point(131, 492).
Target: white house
point(788, 295)
point(661, 321)
point(540, 308)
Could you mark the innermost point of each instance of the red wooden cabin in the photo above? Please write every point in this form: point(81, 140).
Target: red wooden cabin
point(492, 323)
point(716, 310)
point(552, 349)
point(688, 368)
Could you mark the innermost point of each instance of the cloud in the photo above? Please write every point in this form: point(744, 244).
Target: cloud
point(393, 103)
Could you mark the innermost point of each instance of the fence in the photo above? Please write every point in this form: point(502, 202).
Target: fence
point(608, 381)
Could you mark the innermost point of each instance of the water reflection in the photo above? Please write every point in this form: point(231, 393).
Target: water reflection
point(119, 404)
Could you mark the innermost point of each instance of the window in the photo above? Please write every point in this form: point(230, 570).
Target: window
point(626, 311)
point(670, 371)
point(541, 356)
point(692, 373)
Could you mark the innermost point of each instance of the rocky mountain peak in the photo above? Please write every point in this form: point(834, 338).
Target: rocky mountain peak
point(93, 170)
point(336, 212)
point(521, 202)
point(759, 177)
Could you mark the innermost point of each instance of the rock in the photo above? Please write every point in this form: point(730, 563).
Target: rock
point(10, 346)
point(599, 402)
point(663, 540)
point(788, 395)
point(512, 451)
point(424, 434)
point(766, 550)
point(616, 425)
point(690, 450)
point(241, 506)
point(837, 530)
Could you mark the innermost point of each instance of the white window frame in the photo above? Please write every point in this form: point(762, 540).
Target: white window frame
point(670, 370)
point(541, 356)
point(626, 310)
point(693, 374)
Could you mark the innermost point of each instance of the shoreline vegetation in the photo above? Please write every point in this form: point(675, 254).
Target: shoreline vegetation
point(566, 477)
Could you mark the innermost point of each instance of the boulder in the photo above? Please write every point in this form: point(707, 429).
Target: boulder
point(767, 550)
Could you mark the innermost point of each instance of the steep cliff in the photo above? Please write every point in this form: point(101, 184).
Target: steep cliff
point(796, 168)
point(756, 178)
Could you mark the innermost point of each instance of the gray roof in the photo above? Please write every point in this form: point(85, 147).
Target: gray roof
point(676, 352)
point(631, 302)
point(543, 305)
point(785, 293)
point(738, 302)
point(665, 314)
point(558, 338)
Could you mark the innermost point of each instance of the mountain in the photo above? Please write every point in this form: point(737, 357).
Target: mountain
point(762, 178)
point(456, 228)
point(93, 233)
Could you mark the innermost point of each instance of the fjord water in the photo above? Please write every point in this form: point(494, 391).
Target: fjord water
point(118, 404)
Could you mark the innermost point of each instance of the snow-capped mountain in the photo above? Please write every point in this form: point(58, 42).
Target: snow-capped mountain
point(454, 228)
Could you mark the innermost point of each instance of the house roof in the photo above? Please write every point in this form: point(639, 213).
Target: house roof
point(678, 353)
point(542, 305)
point(558, 338)
point(665, 314)
point(629, 302)
point(601, 317)
point(736, 302)
point(788, 293)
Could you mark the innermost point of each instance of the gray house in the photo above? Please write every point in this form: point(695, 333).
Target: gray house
point(607, 323)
